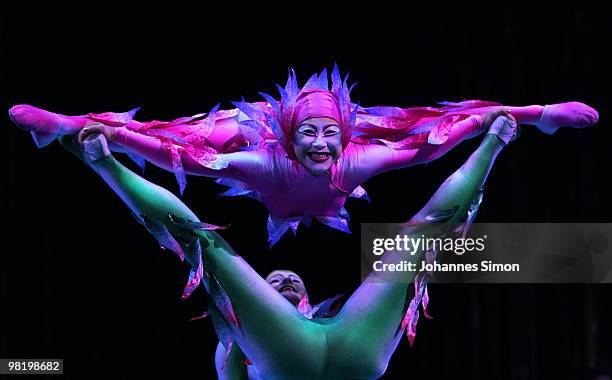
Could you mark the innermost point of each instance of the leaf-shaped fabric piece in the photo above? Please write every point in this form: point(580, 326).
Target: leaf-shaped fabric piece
point(412, 314)
point(473, 208)
point(222, 301)
point(252, 112)
point(163, 236)
point(112, 118)
point(223, 331)
point(360, 193)
point(278, 226)
point(238, 188)
point(326, 309)
point(336, 222)
point(138, 160)
point(439, 134)
point(194, 225)
point(439, 216)
point(195, 276)
point(467, 104)
point(199, 316)
point(304, 307)
point(169, 136)
point(177, 166)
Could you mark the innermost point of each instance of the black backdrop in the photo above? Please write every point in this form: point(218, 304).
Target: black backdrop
point(80, 280)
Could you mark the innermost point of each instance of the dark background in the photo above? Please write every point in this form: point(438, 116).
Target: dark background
point(81, 280)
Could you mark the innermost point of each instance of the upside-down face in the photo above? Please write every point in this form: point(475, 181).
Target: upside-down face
point(288, 284)
point(317, 144)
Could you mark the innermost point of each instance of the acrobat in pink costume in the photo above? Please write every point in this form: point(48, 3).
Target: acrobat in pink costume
point(249, 148)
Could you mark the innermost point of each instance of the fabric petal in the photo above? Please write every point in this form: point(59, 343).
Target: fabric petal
point(335, 222)
point(473, 208)
point(238, 188)
point(323, 80)
point(194, 225)
point(276, 229)
point(138, 160)
point(272, 102)
point(195, 276)
point(199, 316)
point(163, 236)
point(360, 193)
point(177, 166)
point(277, 226)
point(252, 112)
point(336, 80)
point(112, 118)
point(224, 333)
point(294, 226)
point(305, 308)
point(425, 303)
point(312, 82)
point(439, 134)
point(325, 309)
point(440, 216)
point(222, 301)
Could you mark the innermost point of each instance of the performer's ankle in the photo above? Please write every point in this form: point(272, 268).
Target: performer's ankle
point(528, 114)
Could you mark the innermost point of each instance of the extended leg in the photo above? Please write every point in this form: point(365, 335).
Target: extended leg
point(546, 118)
point(263, 314)
point(368, 324)
point(120, 133)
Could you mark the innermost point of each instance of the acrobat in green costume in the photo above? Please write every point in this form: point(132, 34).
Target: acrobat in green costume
point(279, 341)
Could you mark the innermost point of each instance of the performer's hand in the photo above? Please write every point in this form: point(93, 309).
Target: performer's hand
point(506, 129)
point(93, 129)
point(489, 117)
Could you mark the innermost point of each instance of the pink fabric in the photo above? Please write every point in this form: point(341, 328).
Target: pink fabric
point(291, 193)
point(285, 187)
point(243, 145)
point(313, 103)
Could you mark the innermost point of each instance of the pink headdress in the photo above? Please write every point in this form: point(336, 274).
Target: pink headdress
point(315, 99)
point(312, 103)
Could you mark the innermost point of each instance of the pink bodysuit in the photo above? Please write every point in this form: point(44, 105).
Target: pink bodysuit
point(256, 165)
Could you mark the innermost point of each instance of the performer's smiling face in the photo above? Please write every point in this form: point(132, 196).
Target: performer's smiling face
point(288, 284)
point(317, 144)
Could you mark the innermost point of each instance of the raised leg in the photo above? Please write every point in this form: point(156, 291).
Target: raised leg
point(263, 314)
point(367, 327)
point(549, 118)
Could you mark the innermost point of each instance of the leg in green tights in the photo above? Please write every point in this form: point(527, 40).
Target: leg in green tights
point(280, 341)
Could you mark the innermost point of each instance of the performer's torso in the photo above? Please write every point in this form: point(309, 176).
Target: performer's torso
point(290, 190)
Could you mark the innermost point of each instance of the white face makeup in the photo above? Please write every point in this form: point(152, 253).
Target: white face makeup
point(317, 144)
point(288, 284)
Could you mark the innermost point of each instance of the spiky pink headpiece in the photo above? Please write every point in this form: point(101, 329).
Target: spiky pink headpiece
point(315, 99)
point(312, 103)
